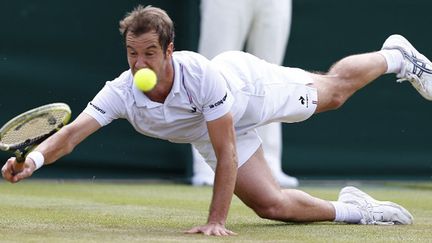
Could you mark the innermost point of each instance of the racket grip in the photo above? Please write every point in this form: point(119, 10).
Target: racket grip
point(20, 159)
point(18, 166)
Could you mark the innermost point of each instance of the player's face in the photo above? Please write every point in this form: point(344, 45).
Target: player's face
point(144, 51)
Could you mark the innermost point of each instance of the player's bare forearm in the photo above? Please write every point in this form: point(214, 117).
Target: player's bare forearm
point(64, 141)
point(222, 136)
point(225, 178)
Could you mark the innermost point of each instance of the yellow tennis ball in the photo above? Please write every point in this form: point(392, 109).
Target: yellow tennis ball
point(145, 79)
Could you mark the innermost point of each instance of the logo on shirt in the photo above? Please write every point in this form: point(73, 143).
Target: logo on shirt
point(220, 102)
point(304, 101)
point(97, 108)
point(193, 109)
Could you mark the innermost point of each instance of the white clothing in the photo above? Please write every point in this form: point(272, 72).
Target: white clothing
point(254, 91)
point(173, 120)
point(261, 26)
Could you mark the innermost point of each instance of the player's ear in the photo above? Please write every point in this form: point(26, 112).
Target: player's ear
point(170, 49)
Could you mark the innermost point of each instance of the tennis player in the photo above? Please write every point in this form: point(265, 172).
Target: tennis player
point(216, 105)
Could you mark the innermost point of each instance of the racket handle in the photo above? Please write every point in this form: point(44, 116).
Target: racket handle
point(20, 159)
point(18, 166)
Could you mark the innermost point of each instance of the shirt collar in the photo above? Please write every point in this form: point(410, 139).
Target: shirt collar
point(142, 100)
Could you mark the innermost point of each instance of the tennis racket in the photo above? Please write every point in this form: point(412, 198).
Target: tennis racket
point(24, 132)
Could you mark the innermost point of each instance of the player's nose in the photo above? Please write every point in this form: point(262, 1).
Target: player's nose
point(140, 63)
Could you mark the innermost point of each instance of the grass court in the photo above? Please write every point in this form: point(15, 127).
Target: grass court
point(122, 211)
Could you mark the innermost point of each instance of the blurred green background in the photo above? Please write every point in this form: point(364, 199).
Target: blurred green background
point(64, 51)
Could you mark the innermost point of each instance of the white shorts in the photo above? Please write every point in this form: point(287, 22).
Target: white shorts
point(247, 143)
point(289, 101)
point(264, 93)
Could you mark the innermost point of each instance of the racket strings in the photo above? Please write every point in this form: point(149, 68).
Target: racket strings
point(34, 128)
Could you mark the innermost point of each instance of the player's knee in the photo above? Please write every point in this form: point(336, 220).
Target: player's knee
point(336, 101)
point(332, 101)
point(332, 92)
point(274, 210)
point(270, 212)
point(342, 82)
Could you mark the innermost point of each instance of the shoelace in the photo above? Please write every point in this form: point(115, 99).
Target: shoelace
point(412, 76)
point(368, 217)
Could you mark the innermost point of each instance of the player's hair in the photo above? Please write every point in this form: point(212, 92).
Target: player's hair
point(145, 19)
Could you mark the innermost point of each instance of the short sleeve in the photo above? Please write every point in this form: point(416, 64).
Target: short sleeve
point(217, 98)
point(106, 106)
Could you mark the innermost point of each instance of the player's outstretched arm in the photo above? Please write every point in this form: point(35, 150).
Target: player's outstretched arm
point(55, 147)
point(222, 136)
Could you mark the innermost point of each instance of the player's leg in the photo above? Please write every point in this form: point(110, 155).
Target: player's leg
point(346, 77)
point(354, 72)
point(271, 136)
point(224, 26)
point(257, 188)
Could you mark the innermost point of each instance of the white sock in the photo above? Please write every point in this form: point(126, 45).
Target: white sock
point(394, 59)
point(346, 212)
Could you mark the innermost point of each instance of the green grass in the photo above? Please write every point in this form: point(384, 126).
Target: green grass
point(37, 211)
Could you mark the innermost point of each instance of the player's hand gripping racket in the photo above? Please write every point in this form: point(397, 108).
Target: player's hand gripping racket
point(24, 132)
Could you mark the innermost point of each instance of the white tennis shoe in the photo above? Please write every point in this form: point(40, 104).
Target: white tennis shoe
point(374, 211)
point(416, 68)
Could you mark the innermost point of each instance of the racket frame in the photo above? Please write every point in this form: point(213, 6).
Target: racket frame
point(21, 149)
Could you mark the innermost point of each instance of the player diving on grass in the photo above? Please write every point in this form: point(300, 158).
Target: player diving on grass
point(217, 104)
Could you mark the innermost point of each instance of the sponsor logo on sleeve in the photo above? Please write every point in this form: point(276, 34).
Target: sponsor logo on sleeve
point(97, 108)
point(220, 102)
point(304, 100)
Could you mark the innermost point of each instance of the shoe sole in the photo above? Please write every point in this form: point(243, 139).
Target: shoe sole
point(364, 196)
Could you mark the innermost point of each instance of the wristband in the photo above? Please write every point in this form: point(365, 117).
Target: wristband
point(37, 158)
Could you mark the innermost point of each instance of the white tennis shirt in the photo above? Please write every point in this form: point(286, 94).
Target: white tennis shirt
point(254, 91)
